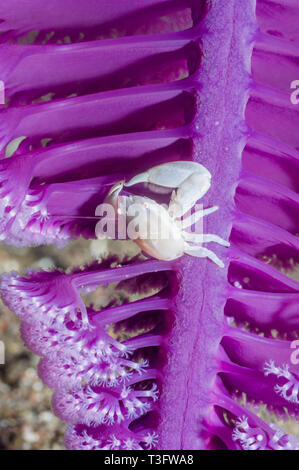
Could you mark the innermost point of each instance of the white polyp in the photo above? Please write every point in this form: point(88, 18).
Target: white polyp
point(288, 391)
point(238, 285)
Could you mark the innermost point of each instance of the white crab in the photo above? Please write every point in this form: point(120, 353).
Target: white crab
point(166, 237)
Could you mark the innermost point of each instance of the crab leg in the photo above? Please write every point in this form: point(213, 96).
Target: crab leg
point(196, 216)
point(204, 238)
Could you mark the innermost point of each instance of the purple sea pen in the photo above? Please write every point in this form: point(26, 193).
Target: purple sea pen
point(201, 335)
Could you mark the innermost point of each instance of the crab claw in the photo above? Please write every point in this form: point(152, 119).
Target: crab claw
point(170, 175)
